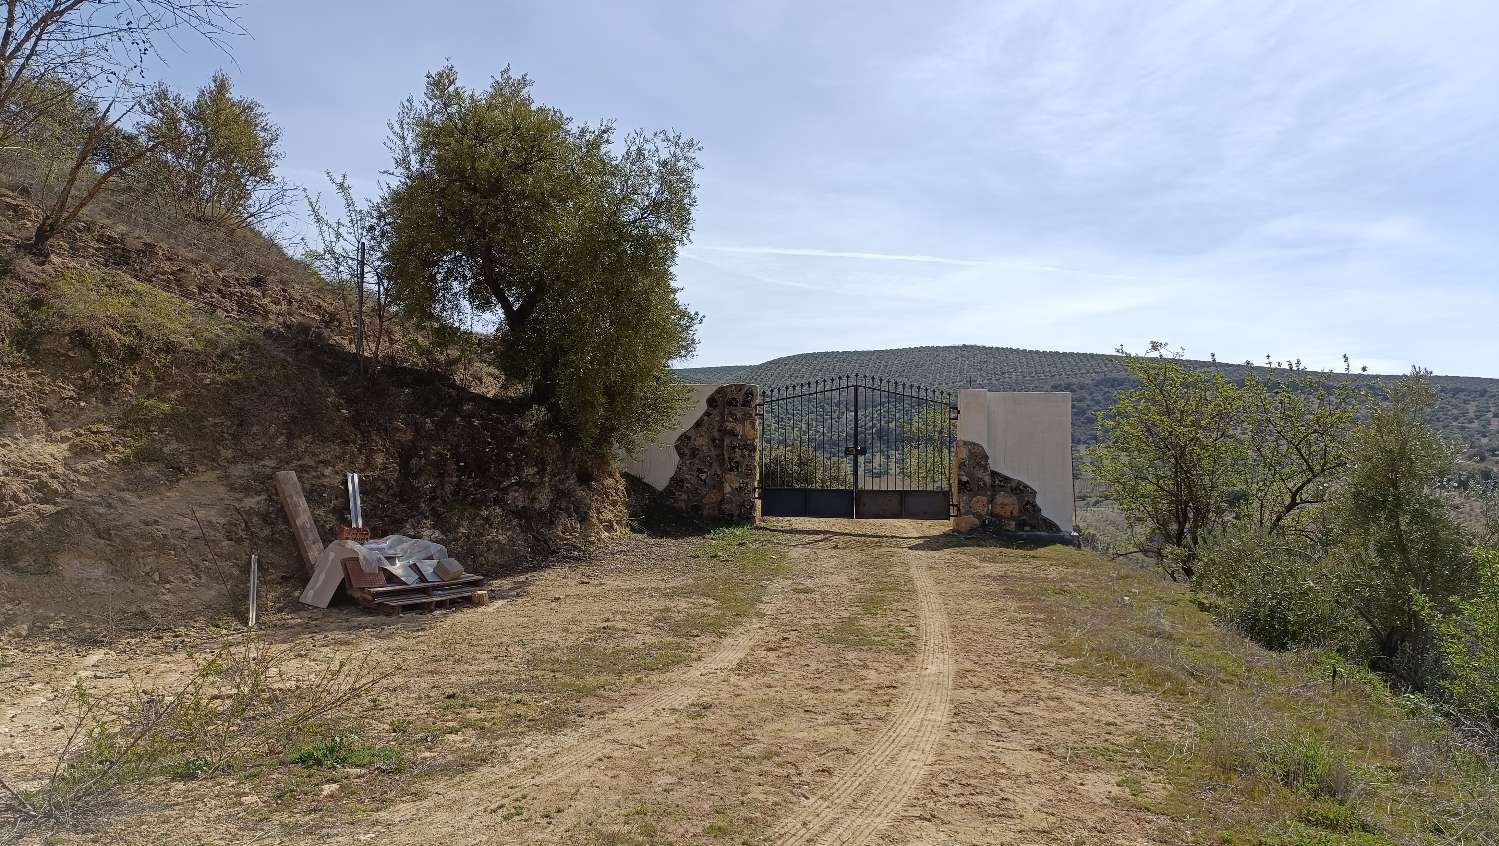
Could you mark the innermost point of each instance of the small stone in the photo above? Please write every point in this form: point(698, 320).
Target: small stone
point(330, 789)
point(249, 800)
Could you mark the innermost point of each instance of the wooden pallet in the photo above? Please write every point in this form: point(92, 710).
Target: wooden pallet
point(393, 599)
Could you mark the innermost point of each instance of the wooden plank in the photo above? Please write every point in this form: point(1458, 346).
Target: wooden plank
point(425, 600)
point(308, 540)
point(389, 589)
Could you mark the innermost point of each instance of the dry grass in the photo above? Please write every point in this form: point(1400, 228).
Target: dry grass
point(1272, 748)
point(248, 706)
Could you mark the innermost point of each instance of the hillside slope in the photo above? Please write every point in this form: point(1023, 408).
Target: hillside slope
point(1468, 409)
point(148, 391)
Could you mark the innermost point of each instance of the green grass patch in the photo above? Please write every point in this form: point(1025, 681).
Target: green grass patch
point(1270, 749)
point(733, 569)
point(344, 749)
point(115, 326)
point(872, 625)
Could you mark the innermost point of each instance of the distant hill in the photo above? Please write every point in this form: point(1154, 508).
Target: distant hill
point(1469, 406)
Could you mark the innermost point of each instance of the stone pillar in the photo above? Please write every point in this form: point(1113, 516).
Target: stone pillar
point(990, 500)
point(718, 457)
point(970, 462)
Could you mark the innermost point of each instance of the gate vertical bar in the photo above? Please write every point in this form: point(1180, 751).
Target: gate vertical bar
point(856, 449)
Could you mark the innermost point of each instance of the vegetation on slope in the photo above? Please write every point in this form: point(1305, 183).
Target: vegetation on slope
point(1309, 516)
point(1300, 748)
point(154, 339)
point(149, 394)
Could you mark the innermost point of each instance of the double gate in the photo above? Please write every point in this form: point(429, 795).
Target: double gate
point(856, 446)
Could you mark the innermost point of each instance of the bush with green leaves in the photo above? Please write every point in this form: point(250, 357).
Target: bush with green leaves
point(1398, 542)
point(1467, 637)
point(1316, 515)
point(1272, 587)
point(1189, 451)
point(797, 466)
point(563, 234)
point(1171, 454)
point(215, 154)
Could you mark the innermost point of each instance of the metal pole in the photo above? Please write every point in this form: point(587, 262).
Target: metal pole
point(359, 308)
point(254, 587)
point(356, 510)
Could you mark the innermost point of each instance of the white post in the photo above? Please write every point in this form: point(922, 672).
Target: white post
point(254, 586)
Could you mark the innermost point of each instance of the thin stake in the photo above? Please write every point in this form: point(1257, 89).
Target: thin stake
point(254, 587)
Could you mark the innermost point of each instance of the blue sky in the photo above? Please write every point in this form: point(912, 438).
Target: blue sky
point(1240, 177)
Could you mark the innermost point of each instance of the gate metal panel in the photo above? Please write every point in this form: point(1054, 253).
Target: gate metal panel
point(806, 502)
point(856, 446)
point(926, 505)
point(880, 505)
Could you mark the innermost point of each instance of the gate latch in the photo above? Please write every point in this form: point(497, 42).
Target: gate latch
point(853, 450)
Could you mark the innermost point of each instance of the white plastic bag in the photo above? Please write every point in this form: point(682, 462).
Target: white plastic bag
point(406, 550)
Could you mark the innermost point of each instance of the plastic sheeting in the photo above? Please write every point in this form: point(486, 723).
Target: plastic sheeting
point(406, 551)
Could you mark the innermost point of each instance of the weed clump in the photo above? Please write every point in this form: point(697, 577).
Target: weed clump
point(243, 708)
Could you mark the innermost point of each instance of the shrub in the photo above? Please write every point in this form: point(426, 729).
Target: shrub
point(1399, 544)
point(796, 466)
point(1170, 454)
point(1468, 640)
point(215, 155)
point(240, 708)
point(1271, 588)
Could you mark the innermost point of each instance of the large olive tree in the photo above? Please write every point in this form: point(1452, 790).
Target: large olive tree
point(562, 233)
point(1400, 544)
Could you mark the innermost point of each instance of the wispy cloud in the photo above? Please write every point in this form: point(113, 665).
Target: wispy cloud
point(837, 254)
point(1299, 177)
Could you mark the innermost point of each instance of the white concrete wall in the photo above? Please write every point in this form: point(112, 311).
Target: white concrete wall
point(1028, 437)
point(656, 462)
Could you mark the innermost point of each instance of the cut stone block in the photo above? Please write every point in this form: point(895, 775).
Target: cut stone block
point(449, 568)
point(328, 573)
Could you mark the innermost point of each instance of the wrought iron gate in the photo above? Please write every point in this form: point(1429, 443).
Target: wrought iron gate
point(855, 446)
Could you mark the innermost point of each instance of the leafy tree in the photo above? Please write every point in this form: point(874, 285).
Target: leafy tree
point(104, 151)
point(565, 235)
point(216, 154)
point(1171, 455)
point(1468, 638)
point(1399, 543)
point(1296, 434)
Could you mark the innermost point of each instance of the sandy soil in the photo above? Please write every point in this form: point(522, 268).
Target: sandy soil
point(943, 719)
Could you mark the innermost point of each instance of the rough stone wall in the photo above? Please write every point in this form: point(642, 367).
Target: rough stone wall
point(717, 458)
point(991, 501)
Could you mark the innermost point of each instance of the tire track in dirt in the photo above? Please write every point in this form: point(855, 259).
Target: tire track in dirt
point(580, 748)
point(870, 790)
point(566, 754)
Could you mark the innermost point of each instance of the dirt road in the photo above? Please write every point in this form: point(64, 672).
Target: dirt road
point(889, 688)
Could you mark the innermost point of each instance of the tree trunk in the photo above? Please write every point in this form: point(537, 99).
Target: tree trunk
point(38, 246)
